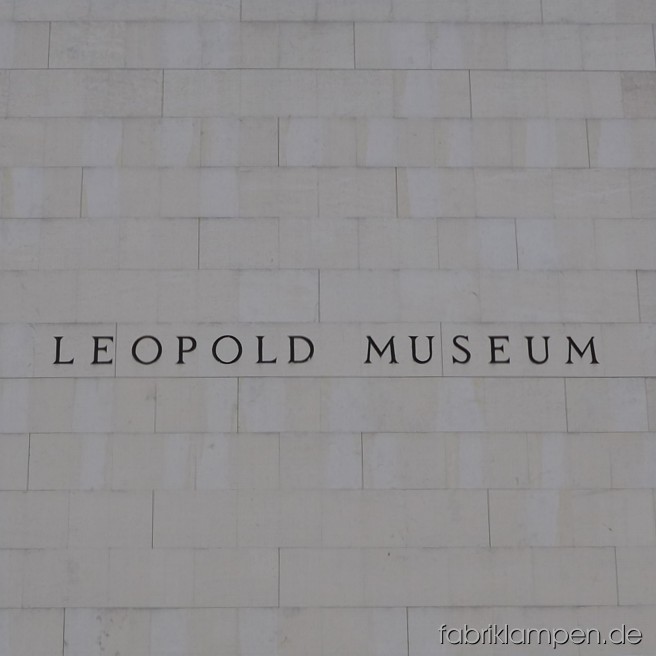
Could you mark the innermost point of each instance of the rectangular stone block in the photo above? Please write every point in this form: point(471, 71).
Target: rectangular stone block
point(150, 578)
point(638, 93)
point(485, 11)
point(31, 520)
point(32, 632)
point(200, 93)
point(595, 193)
point(477, 244)
point(195, 519)
point(589, 11)
point(635, 576)
point(239, 142)
point(606, 405)
point(426, 193)
point(625, 244)
point(16, 350)
point(236, 577)
point(431, 94)
point(317, 142)
point(632, 457)
point(12, 565)
point(357, 192)
point(272, 93)
point(277, 192)
point(100, 520)
point(622, 143)
point(27, 193)
point(198, 406)
point(574, 518)
point(426, 405)
point(14, 452)
point(112, 93)
point(355, 93)
point(508, 192)
point(65, 578)
point(316, 460)
point(23, 45)
point(161, 142)
point(392, 45)
point(317, 45)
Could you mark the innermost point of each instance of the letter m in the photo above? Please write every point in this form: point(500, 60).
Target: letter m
point(390, 345)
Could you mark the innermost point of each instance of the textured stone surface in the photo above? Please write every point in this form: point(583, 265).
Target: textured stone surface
point(453, 201)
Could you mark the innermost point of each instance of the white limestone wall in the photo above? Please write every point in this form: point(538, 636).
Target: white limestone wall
point(335, 169)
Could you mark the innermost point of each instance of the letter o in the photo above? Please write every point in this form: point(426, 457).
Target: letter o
point(216, 344)
point(158, 344)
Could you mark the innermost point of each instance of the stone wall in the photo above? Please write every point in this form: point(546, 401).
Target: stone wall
point(196, 196)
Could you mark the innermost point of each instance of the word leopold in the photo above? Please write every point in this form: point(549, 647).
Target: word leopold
point(228, 349)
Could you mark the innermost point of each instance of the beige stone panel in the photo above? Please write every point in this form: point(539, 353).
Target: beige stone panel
point(278, 93)
point(599, 11)
point(316, 45)
point(240, 45)
point(239, 244)
point(19, 244)
point(355, 93)
point(16, 350)
point(618, 47)
point(633, 459)
point(431, 94)
point(457, 142)
point(12, 565)
point(543, 47)
point(280, 519)
point(487, 11)
point(235, 577)
point(38, 296)
point(596, 193)
point(392, 45)
point(398, 244)
point(4, 93)
point(190, 10)
point(399, 142)
point(195, 519)
point(354, 10)
point(239, 142)
point(556, 244)
point(92, 631)
point(606, 405)
point(447, 577)
point(639, 94)
point(196, 406)
point(113, 93)
point(100, 520)
point(125, 192)
point(308, 243)
point(562, 461)
point(611, 296)
point(477, 244)
point(651, 402)
point(318, 461)
point(434, 461)
point(425, 405)
point(199, 631)
point(116, 296)
point(14, 456)
point(408, 518)
point(23, 45)
point(15, 406)
point(317, 142)
point(622, 143)
point(204, 192)
point(31, 632)
point(244, 462)
point(27, 193)
point(141, 462)
point(158, 244)
point(33, 520)
point(574, 518)
point(279, 10)
point(161, 142)
point(70, 578)
point(547, 143)
point(22, 140)
point(468, 46)
point(76, 462)
point(44, 10)
point(345, 192)
point(636, 576)
point(627, 244)
point(276, 192)
point(643, 193)
point(201, 93)
point(150, 578)
point(508, 94)
point(514, 192)
point(584, 95)
point(91, 45)
point(278, 404)
point(427, 193)
point(383, 296)
point(647, 289)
